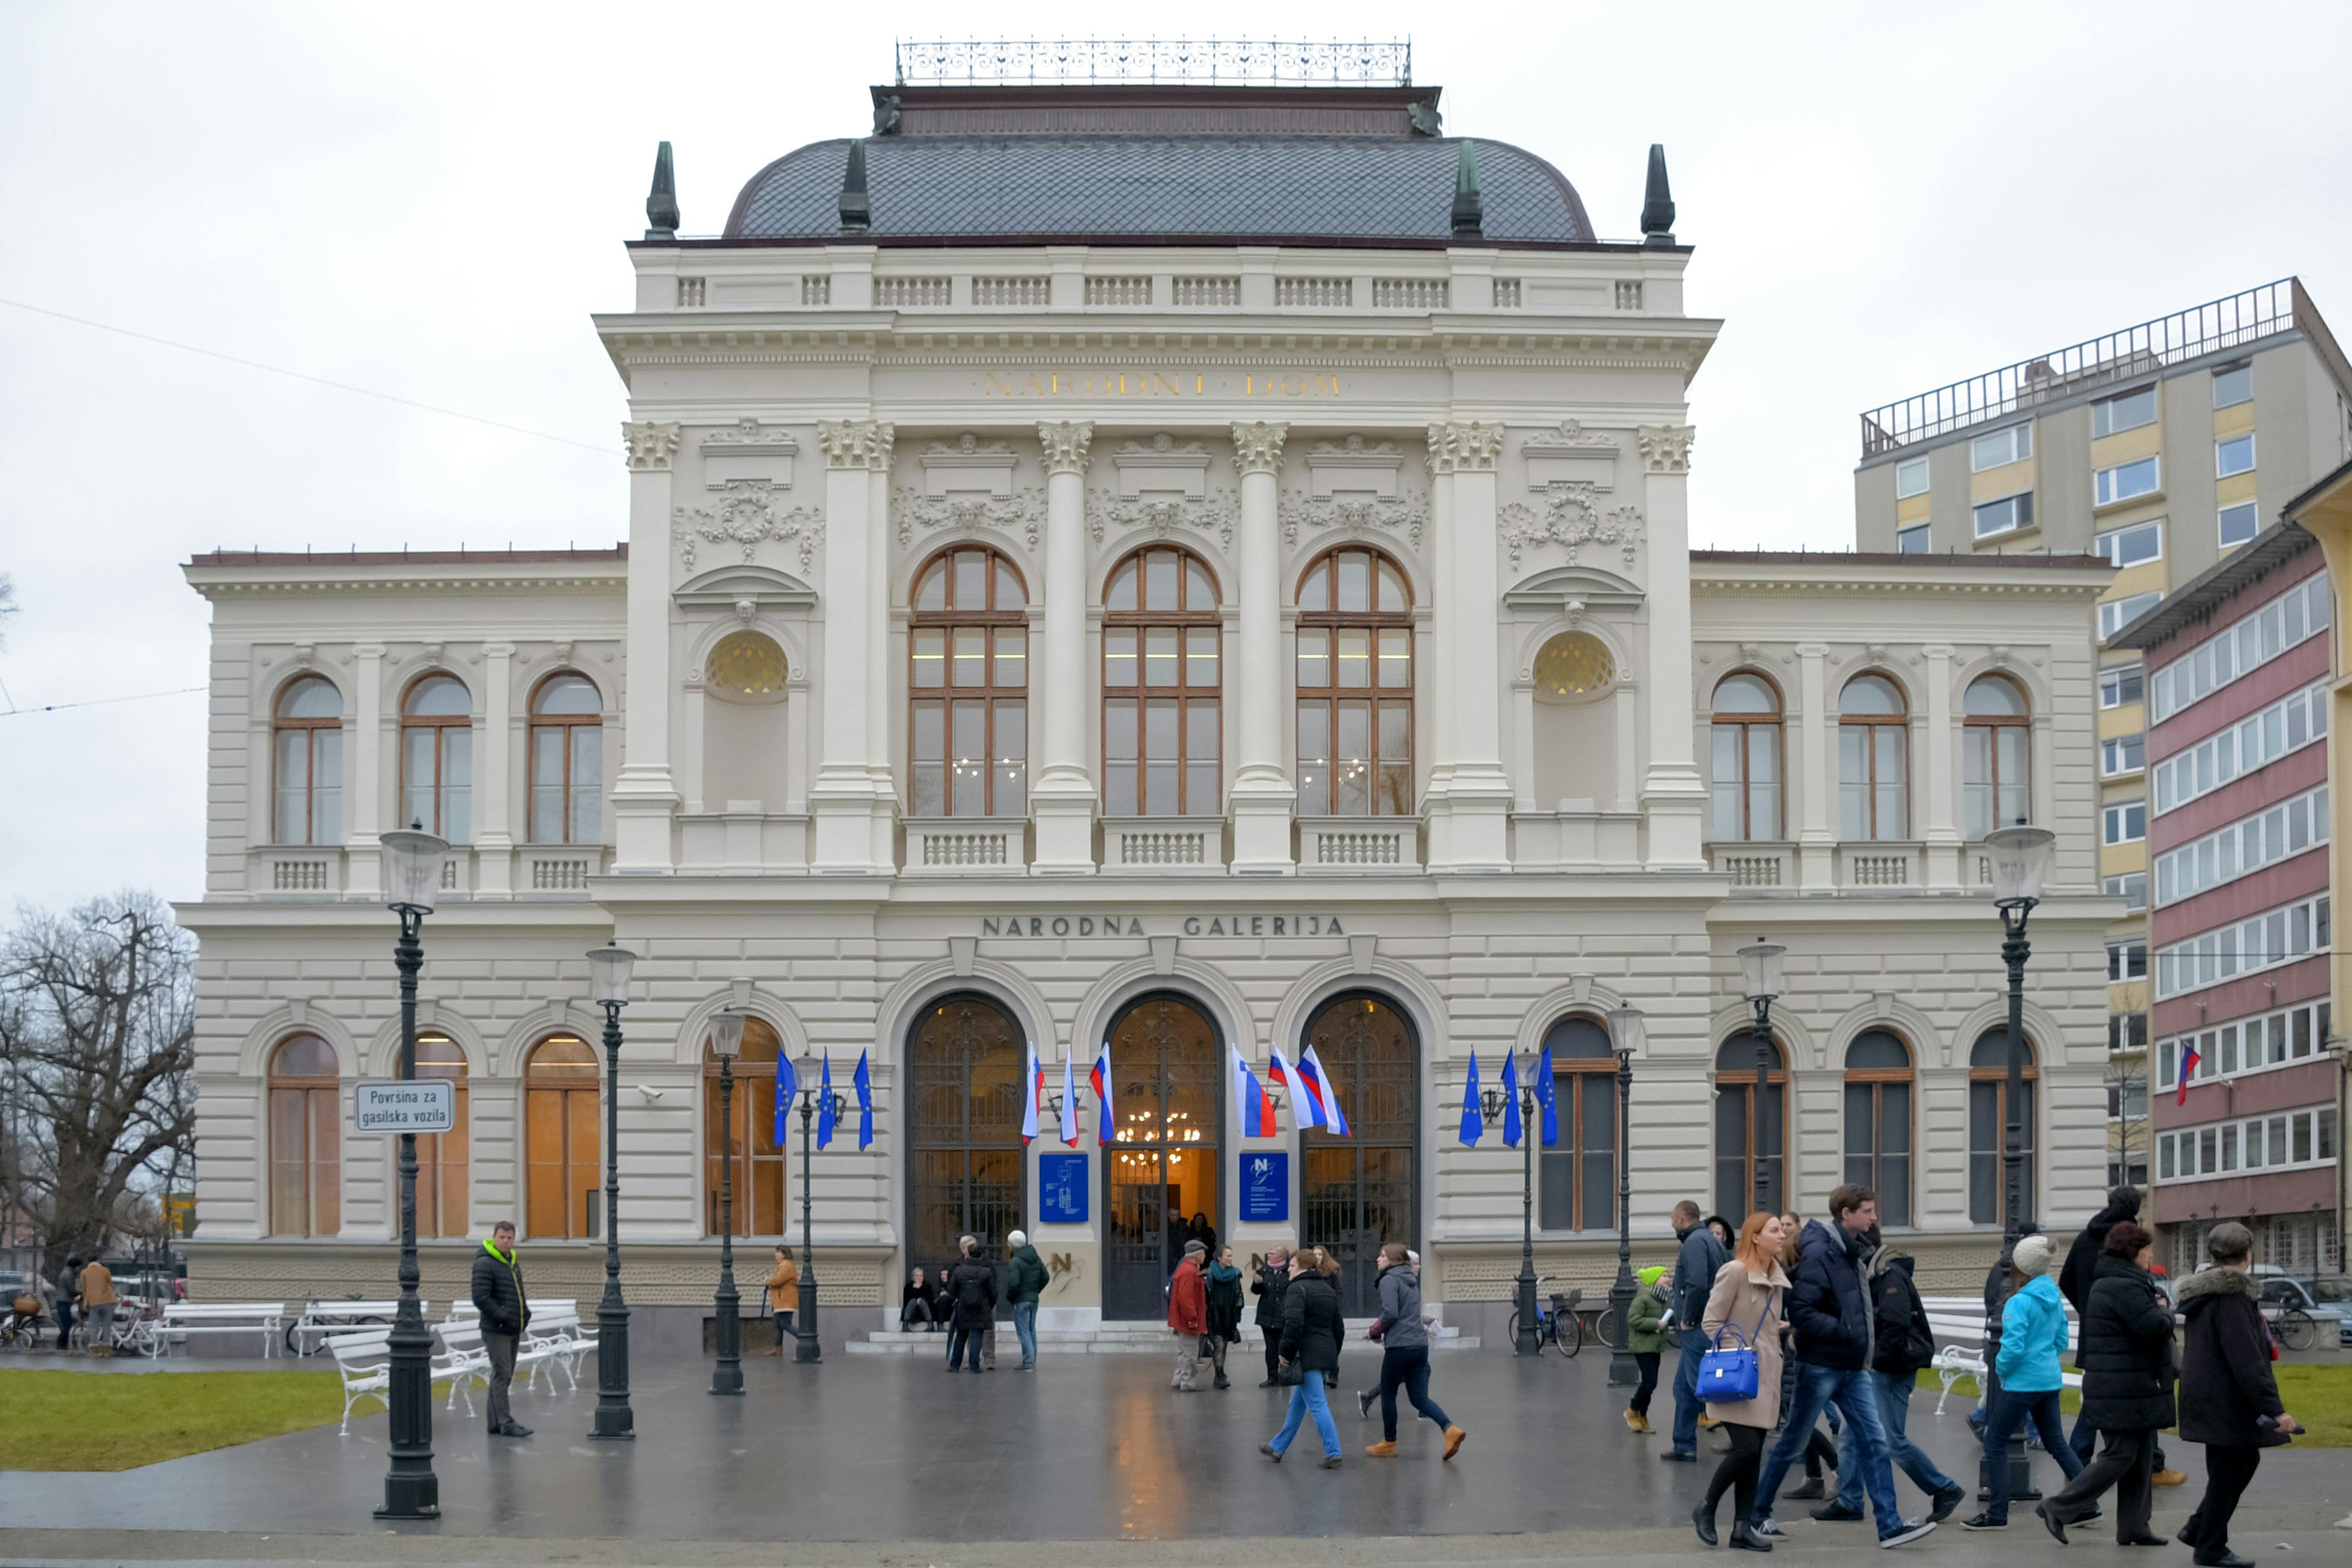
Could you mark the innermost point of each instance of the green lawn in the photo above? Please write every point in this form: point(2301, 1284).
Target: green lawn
point(2318, 1396)
point(95, 1421)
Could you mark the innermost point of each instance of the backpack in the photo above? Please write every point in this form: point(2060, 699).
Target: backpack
point(973, 1290)
point(1917, 1348)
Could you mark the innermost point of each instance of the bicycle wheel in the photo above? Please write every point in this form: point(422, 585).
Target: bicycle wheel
point(1604, 1329)
point(1571, 1335)
point(1512, 1333)
point(2297, 1330)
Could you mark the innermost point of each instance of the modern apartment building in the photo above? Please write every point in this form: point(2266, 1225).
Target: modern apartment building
point(2165, 448)
point(2247, 1123)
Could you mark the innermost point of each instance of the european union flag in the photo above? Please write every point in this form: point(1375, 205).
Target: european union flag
point(864, 1082)
point(1512, 1129)
point(1544, 1097)
point(787, 1088)
point(1473, 1124)
point(824, 1104)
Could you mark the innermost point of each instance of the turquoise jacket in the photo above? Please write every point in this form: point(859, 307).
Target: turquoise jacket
point(2033, 1338)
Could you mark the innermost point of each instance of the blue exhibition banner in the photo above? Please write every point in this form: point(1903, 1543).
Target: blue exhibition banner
point(1266, 1185)
point(1062, 1189)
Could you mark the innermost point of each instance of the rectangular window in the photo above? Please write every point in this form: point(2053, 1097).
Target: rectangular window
point(2249, 946)
point(2128, 412)
point(2126, 1031)
point(2126, 961)
point(2131, 887)
point(2234, 456)
point(2125, 822)
point(2233, 386)
point(2004, 516)
point(2246, 646)
point(2130, 546)
point(2120, 685)
point(2010, 446)
point(2249, 845)
point(2241, 522)
point(2117, 614)
point(1910, 478)
point(2125, 481)
point(1912, 540)
point(2123, 754)
point(2254, 742)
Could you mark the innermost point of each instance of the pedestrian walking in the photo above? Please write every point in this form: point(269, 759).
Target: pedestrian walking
point(1312, 1328)
point(919, 1304)
point(2074, 1283)
point(1405, 1355)
point(2030, 1374)
point(499, 1297)
point(1821, 1450)
point(1829, 1309)
point(1026, 1289)
point(970, 1296)
point(784, 1295)
point(96, 1288)
point(1188, 1317)
point(1901, 1345)
point(1700, 1257)
point(1273, 1280)
point(66, 1289)
point(1747, 1307)
point(2127, 1376)
point(1224, 1291)
point(2229, 1400)
point(1645, 1337)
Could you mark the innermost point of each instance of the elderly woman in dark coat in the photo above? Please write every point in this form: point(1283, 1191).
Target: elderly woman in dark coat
point(2229, 1400)
point(2128, 1377)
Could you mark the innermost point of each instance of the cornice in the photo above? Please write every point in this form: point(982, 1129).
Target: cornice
point(1882, 583)
point(217, 582)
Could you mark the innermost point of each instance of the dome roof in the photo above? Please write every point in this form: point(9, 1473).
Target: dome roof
point(1199, 189)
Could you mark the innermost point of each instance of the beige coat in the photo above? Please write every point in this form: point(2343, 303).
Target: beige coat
point(96, 1286)
point(784, 1286)
point(1741, 1298)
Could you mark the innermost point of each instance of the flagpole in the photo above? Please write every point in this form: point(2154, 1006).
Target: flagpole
point(1528, 1344)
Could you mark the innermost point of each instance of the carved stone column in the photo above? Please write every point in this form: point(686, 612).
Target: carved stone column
point(1470, 821)
point(644, 797)
point(1674, 792)
point(493, 814)
point(1816, 727)
point(1942, 831)
point(1062, 798)
point(852, 808)
point(1264, 795)
point(364, 795)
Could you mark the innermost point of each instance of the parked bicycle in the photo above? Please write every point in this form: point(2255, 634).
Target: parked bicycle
point(26, 1326)
point(1558, 1328)
point(305, 1336)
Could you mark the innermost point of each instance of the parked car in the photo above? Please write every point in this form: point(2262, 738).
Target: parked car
point(2306, 1312)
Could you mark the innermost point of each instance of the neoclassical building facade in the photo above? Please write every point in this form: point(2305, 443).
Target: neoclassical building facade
point(1260, 615)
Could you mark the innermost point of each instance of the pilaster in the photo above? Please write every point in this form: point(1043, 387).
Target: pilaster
point(1470, 820)
point(362, 865)
point(644, 797)
point(494, 832)
point(1942, 830)
point(1264, 795)
point(1674, 793)
point(852, 806)
point(1062, 798)
point(1816, 839)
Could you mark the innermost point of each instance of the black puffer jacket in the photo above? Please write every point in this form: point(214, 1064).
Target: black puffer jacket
point(2083, 1257)
point(2126, 1350)
point(1270, 1285)
point(1827, 1304)
point(2225, 1364)
point(981, 1275)
point(1312, 1326)
point(1904, 1343)
point(497, 1291)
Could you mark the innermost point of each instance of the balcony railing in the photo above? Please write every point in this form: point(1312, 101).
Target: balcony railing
point(948, 845)
point(1359, 844)
point(1867, 867)
point(1754, 866)
point(1165, 844)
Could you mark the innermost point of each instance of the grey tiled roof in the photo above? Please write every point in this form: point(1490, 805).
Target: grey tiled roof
point(1271, 187)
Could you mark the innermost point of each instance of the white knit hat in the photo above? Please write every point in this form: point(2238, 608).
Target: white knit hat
point(2033, 1256)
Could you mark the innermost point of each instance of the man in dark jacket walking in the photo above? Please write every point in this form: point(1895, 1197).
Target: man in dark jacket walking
point(1025, 1290)
point(971, 1298)
point(2229, 1400)
point(1903, 1346)
point(1829, 1309)
point(2075, 1284)
point(2127, 1376)
point(499, 1297)
point(1696, 1262)
point(1273, 1280)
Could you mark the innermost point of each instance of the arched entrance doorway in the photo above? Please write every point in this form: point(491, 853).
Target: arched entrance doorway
point(964, 1161)
point(1359, 1191)
point(1160, 1181)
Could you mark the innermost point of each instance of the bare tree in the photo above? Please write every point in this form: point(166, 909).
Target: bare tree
point(98, 1040)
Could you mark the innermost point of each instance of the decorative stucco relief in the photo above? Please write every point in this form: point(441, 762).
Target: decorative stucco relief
point(1355, 516)
point(747, 513)
point(1570, 517)
point(650, 444)
point(1216, 510)
point(1020, 510)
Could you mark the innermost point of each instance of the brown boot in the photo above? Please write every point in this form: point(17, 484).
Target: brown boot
point(1386, 1450)
point(1453, 1436)
point(1637, 1422)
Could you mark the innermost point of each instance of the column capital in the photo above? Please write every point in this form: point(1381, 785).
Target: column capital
point(1939, 652)
point(363, 650)
point(1665, 448)
point(498, 651)
point(1814, 651)
point(856, 443)
point(1257, 446)
point(1066, 445)
point(1465, 446)
point(650, 444)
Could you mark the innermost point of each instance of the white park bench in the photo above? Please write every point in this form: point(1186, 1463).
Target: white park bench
point(184, 1318)
point(364, 1361)
point(553, 1338)
point(320, 1319)
point(1957, 1324)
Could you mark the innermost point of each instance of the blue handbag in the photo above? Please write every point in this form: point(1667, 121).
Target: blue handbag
point(1732, 1376)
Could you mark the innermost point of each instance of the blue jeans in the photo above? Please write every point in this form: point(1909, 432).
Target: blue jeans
point(1024, 1323)
point(2009, 1413)
point(958, 1339)
point(1895, 1416)
point(1304, 1400)
point(1686, 1401)
point(1854, 1393)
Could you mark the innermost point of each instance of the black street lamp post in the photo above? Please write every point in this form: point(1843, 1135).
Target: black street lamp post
point(2018, 857)
point(805, 1347)
point(1492, 1106)
point(1760, 970)
point(608, 969)
point(1627, 1030)
point(412, 873)
point(727, 1044)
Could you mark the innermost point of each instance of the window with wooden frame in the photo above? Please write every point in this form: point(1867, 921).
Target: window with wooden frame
point(307, 745)
point(1579, 1174)
point(562, 1140)
point(1745, 749)
point(1161, 687)
point(441, 1164)
point(969, 686)
point(1996, 755)
point(436, 757)
point(1874, 761)
point(1878, 1099)
point(567, 762)
point(1752, 1134)
point(750, 1141)
point(305, 1138)
point(1988, 1122)
point(1354, 686)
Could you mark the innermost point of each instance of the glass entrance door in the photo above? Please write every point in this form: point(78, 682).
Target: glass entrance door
point(1357, 1192)
point(965, 1173)
point(1161, 1177)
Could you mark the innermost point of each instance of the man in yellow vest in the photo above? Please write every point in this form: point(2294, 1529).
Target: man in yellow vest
point(499, 1297)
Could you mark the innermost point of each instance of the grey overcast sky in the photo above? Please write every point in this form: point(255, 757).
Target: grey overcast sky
point(430, 200)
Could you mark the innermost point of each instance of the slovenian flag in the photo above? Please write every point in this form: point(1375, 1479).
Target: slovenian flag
point(1326, 1092)
point(1543, 1087)
point(864, 1080)
point(1512, 1128)
point(1304, 1109)
point(1069, 1104)
point(1258, 1105)
point(1105, 1124)
point(824, 1104)
point(787, 1088)
point(1473, 1124)
point(2189, 1061)
point(1036, 1093)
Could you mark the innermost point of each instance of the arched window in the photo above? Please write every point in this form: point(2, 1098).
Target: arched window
point(969, 731)
point(560, 1140)
point(309, 744)
point(1874, 761)
point(1746, 746)
point(1989, 1121)
point(750, 1142)
point(1878, 1120)
point(1580, 1172)
point(441, 1185)
point(1357, 1192)
point(436, 757)
point(567, 762)
point(305, 1138)
point(1751, 1143)
point(1995, 751)
point(1355, 686)
point(1161, 687)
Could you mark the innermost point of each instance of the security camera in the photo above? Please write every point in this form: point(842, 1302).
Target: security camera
point(649, 1092)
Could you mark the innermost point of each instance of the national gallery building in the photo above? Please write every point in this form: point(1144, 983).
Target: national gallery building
point(1187, 570)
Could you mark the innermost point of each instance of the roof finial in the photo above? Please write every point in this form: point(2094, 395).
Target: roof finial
point(1657, 203)
point(1469, 211)
point(661, 203)
point(856, 213)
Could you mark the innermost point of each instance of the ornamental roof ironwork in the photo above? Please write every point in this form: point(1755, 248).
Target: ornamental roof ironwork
point(1156, 62)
